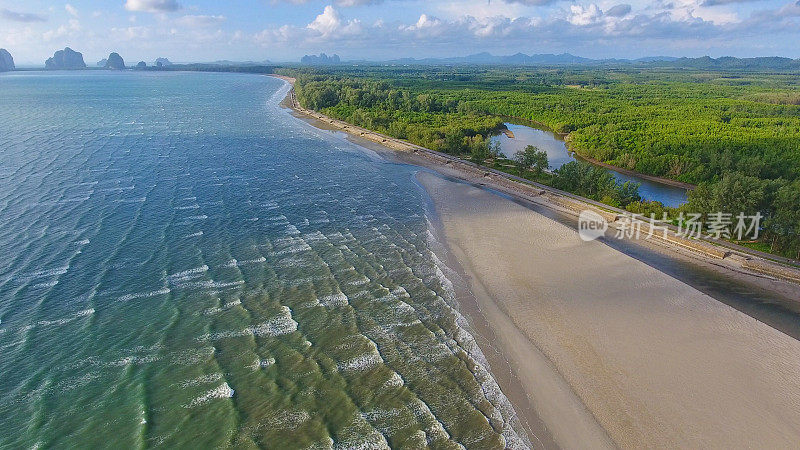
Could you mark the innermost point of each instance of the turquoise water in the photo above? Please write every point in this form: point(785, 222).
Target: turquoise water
point(558, 155)
point(187, 265)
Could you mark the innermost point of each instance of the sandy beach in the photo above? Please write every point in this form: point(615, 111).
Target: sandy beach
point(611, 351)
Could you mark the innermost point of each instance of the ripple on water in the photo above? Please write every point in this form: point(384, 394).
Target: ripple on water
point(326, 323)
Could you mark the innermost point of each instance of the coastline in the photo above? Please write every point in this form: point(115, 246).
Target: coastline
point(656, 362)
point(553, 391)
point(736, 258)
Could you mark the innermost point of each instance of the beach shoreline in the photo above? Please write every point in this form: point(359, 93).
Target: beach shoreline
point(539, 378)
point(654, 361)
point(738, 260)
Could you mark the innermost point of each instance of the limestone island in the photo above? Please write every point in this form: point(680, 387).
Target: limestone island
point(115, 62)
point(67, 59)
point(6, 61)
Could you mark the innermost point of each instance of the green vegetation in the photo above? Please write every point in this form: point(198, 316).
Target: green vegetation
point(424, 119)
point(735, 134)
point(531, 159)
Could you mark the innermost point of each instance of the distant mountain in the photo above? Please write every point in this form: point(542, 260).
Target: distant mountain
point(322, 59)
point(66, 59)
point(656, 58)
point(521, 59)
point(518, 59)
point(226, 63)
point(141, 65)
point(115, 62)
point(731, 63)
point(102, 62)
point(159, 62)
point(6, 61)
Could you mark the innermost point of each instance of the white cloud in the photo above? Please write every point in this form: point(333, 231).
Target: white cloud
point(71, 10)
point(581, 15)
point(620, 10)
point(153, 6)
point(200, 20)
point(330, 23)
point(15, 16)
point(327, 22)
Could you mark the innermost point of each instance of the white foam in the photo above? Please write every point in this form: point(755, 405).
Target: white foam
point(203, 379)
point(45, 273)
point(288, 420)
point(66, 320)
point(362, 362)
point(189, 274)
point(279, 325)
point(262, 363)
point(334, 300)
point(253, 261)
point(219, 309)
point(128, 297)
point(131, 200)
point(221, 391)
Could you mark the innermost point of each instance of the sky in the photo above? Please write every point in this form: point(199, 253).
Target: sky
point(285, 30)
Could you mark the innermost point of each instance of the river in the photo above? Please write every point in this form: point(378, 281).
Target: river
point(558, 155)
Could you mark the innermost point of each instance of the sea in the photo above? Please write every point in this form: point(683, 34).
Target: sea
point(185, 264)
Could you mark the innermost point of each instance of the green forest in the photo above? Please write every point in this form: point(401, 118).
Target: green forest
point(731, 133)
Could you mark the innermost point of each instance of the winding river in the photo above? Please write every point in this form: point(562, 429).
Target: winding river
point(558, 155)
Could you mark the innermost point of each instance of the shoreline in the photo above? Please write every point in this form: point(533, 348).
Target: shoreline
point(536, 381)
point(738, 259)
point(654, 361)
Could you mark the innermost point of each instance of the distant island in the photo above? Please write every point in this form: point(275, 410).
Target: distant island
point(322, 59)
point(6, 61)
point(160, 62)
point(67, 59)
point(115, 62)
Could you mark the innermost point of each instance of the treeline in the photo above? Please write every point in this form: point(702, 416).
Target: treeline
point(735, 134)
point(201, 67)
point(429, 120)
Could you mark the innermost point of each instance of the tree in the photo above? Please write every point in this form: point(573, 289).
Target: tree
point(628, 193)
point(735, 193)
point(531, 159)
point(479, 149)
point(784, 223)
point(495, 150)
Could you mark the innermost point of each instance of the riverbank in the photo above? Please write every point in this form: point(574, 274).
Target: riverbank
point(656, 362)
point(565, 137)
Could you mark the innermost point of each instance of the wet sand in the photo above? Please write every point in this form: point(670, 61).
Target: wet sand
point(609, 350)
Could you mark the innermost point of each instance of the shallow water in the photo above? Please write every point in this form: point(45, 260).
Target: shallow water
point(185, 264)
point(558, 155)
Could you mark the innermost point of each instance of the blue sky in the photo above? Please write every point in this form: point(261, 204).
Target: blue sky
point(285, 30)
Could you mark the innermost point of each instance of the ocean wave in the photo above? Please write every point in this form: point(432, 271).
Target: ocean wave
point(221, 391)
point(138, 295)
